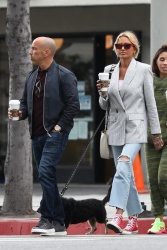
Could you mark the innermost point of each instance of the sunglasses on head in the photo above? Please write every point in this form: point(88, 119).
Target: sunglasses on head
point(125, 45)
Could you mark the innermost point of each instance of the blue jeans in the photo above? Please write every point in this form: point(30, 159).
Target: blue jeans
point(124, 194)
point(47, 153)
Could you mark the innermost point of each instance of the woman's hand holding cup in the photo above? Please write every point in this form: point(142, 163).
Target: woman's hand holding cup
point(103, 83)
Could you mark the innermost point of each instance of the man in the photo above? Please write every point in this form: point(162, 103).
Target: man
point(50, 101)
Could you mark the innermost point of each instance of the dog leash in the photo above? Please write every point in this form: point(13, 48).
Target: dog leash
point(73, 173)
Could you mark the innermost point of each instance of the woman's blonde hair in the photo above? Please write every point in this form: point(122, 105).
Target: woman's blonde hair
point(133, 38)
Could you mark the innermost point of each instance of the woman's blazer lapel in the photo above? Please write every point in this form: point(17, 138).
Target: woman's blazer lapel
point(114, 85)
point(130, 73)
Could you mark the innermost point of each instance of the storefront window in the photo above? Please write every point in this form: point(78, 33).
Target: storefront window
point(76, 54)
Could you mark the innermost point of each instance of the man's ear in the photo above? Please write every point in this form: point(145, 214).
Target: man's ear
point(47, 52)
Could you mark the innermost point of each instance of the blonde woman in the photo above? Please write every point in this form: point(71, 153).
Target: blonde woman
point(132, 103)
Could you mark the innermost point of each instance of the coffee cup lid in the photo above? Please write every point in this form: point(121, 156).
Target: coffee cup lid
point(14, 102)
point(103, 76)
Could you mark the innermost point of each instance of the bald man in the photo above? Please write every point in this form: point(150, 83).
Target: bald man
point(50, 102)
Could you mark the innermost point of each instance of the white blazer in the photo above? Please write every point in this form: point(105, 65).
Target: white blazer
point(132, 107)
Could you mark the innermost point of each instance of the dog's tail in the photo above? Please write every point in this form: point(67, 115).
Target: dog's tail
point(107, 197)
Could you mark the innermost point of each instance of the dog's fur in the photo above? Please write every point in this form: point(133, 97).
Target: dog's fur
point(91, 210)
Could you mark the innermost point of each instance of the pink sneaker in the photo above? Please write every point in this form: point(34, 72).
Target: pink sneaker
point(115, 224)
point(131, 227)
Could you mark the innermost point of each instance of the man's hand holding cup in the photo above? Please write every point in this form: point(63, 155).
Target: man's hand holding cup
point(14, 112)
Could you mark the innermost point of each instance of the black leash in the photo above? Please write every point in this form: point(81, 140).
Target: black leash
point(73, 173)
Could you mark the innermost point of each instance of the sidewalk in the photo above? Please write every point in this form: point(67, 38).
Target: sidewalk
point(22, 225)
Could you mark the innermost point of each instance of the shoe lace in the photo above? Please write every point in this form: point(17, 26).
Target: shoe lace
point(117, 218)
point(42, 222)
point(131, 223)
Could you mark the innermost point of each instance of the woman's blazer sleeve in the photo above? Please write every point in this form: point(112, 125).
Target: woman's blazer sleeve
point(150, 102)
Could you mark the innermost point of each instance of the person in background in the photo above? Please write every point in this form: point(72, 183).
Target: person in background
point(50, 101)
point(131, 102)
point(157, 160)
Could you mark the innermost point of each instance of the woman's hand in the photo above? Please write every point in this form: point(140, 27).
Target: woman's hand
point(158, 142)
point(98, 85)
point(99, 88)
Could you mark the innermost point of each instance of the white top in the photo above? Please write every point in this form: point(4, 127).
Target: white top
point(120, 84)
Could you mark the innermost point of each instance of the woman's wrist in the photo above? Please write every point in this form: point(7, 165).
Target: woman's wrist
point(103, 96)
point(157, 135)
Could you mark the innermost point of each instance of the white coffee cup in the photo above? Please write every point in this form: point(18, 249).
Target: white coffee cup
point(104, 80)
point(14, 106)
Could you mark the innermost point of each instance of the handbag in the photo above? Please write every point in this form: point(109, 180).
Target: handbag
point(105, 150)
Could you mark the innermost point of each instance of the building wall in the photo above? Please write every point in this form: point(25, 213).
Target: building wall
point(56, 3)
point(90, 19)
point(68, 21)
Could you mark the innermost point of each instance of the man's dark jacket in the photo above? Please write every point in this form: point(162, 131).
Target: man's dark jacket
point(61, 102)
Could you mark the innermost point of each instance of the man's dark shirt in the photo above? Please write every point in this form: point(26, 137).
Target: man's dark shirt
point(38, 128)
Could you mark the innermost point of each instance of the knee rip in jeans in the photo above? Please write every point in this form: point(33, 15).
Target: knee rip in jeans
point(124, 158)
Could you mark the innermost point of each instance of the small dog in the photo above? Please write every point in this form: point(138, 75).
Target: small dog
point(91, 210)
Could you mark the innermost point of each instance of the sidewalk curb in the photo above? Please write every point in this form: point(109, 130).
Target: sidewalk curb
point(23, 226)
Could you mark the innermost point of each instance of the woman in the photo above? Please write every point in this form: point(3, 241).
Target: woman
point(131, 102)
point(157, 160)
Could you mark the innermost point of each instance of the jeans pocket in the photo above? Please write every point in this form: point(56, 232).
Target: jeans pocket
point(57, 141)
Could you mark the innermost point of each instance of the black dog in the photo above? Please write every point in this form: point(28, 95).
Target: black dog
point(91, 210)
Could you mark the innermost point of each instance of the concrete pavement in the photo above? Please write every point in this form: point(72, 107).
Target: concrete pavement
point(22, 225)
point(81, 242)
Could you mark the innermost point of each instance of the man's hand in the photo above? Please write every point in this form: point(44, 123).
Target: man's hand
point(10, 114)
point(57, 128)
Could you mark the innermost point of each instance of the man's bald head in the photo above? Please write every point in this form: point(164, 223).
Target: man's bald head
point(47, 43)
point(42, 52)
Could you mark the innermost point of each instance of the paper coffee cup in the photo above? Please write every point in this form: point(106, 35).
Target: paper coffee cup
point(104, 86)
point(14, 106)
point(104, 81)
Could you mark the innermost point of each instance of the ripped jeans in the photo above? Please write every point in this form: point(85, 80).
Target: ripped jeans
point(124, 194)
